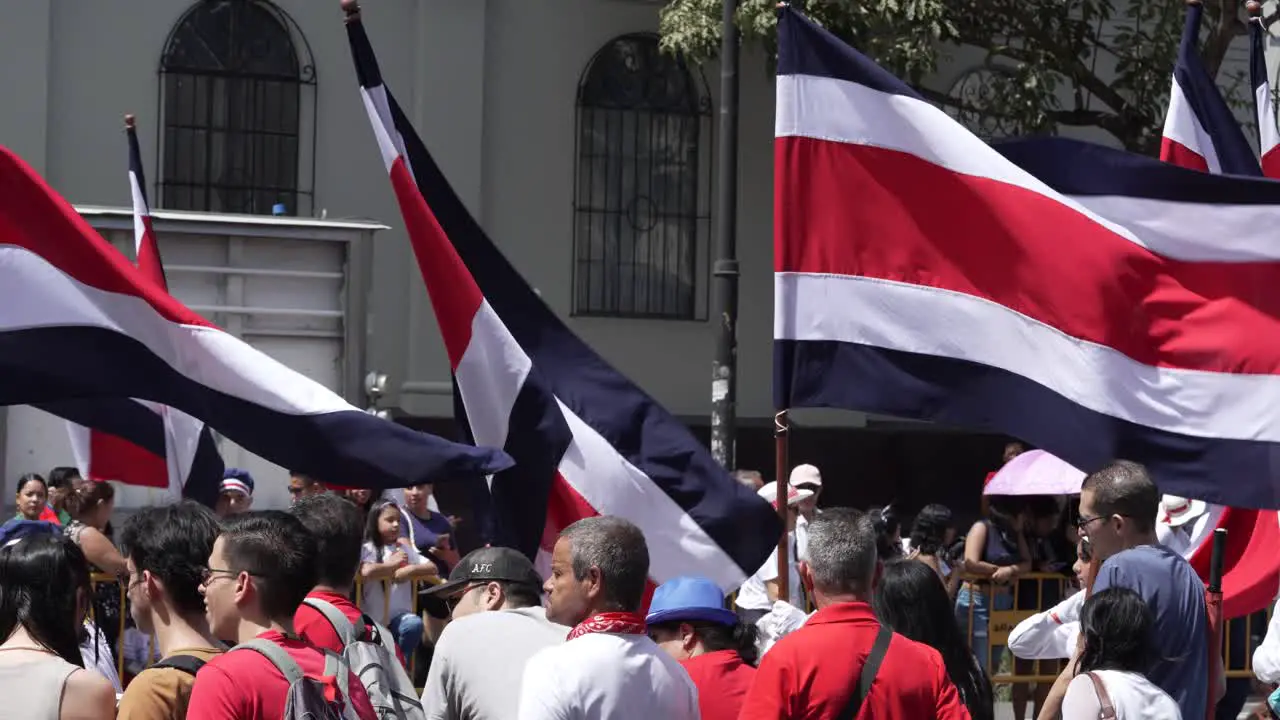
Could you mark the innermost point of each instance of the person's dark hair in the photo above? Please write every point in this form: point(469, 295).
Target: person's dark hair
point(88, 497)
point(912, 600)
point(339, 531)
point(930, 529)
point(42, 578)
point(371, 523)
point(617, 548)
point(63, 477)
point(23, 480)
point(520, 595)
point(1124, 488)
point(173, 543)
point(887, 523)
point(1003, 511)
point(1043, 506)
point(740, 637)
point(278, 551)
point(1116, 625)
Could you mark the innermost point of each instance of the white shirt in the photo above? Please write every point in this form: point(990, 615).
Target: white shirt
point(1266, 657)
point(606, 676)
point(1134, 698)
point(753, 595)
point(1051, 634)
point(469, 680)
point(372, 603)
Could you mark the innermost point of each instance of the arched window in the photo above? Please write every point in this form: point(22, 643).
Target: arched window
point(234, 95)
point(642, 184)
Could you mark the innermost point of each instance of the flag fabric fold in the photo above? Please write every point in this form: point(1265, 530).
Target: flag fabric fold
point(585, 439)
point(1200, 131)
point(1096, 303)
point(152, 445)
point(79, 322)
point(1263, 106)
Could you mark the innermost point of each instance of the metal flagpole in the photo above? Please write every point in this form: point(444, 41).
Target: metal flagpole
point(781, 433)
point(724, 370)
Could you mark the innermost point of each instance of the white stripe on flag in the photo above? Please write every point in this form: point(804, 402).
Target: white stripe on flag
point(1182, 126)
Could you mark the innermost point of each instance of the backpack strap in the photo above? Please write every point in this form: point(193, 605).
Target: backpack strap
point(189, 664)
point(1107, 711)
point(341, 625)
point(867, 675)
point(278, 657)
point(337, 668)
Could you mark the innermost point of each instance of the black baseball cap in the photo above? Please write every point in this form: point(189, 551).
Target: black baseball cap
point(490, 564)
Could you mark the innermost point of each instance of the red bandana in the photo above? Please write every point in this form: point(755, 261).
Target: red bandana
point(623, 623)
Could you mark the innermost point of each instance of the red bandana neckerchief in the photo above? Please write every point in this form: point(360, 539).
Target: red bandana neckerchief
point(624, 623)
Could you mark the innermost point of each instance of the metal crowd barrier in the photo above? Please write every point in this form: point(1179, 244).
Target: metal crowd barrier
point(103, 579)
point(1240, 636)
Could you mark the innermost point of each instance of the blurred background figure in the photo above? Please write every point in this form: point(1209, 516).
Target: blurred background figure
point(236, 493)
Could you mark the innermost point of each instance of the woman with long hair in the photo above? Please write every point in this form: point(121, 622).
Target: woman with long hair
point(912, 601)
point(933, 531)
point(1111, 672)
point(689, 621)
point(32, 496)
point(91, 506)
point(44, 595)
point(995, 554)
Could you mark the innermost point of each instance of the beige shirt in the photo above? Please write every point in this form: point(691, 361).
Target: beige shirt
point(162, 693)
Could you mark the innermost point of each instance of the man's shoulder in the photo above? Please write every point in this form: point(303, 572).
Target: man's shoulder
point(1155, 562)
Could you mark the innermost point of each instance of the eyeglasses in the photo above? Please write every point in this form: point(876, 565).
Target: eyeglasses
point(208, 574)
point(452, 601)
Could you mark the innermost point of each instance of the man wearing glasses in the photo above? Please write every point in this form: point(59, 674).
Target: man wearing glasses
point(496, 600)
point(1118, 508)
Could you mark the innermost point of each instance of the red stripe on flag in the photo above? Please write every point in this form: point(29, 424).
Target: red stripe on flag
point(149, 256)
point(34, 217)
point(1020, 249)
point(454, 294)
point(1271, 163)
point(1175, 153)
point(1250, 563)
point(114, 458)
point(565, 507)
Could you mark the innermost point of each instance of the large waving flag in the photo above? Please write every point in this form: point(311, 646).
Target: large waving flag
point(1264, 108)
point(585, 439)
point(159, 447)
point(79, 322)
point(1096, 303)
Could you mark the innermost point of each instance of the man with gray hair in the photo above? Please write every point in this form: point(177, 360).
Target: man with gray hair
point(826, 668)
point(608, 667)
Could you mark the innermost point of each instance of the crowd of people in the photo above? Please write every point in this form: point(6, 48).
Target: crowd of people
point(271, 614)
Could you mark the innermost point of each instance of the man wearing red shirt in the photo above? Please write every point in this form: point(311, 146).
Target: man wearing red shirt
point(262, 565)
point(812, 673)
point(338, 528)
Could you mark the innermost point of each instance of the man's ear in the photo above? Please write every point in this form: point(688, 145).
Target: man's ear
point(151, 585)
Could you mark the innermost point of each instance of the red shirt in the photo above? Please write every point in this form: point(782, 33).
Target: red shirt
point(809, 674)
point(312, 626)
point(244, 685)
point(722, 680)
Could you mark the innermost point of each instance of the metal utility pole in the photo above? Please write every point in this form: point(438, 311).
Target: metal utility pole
point(724, 370)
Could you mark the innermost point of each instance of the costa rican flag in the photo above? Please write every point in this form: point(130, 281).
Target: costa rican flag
point(169, 449)
point(1096, 303)
point(1200, 132)
point(79, 322)
point(1264, 108)
point(585, 439)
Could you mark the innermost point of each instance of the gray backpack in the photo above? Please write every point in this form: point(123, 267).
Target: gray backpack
point(307, 700)
point(372, 657)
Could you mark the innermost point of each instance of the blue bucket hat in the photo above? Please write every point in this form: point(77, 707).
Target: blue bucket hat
point(689, 599)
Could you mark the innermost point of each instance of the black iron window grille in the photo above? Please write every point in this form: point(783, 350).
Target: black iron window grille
point(642, 184)
point(234, 97)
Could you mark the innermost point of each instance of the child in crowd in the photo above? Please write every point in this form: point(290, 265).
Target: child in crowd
point(389, 564)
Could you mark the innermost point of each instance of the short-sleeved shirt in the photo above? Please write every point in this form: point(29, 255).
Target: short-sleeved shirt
point(245, 685)
point(1175, 595)
point(754, 595)
point(162, 693)
point(312, 626)
point(425, 532)
point(810, 673)
point(722, 680)
point(401, 593)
